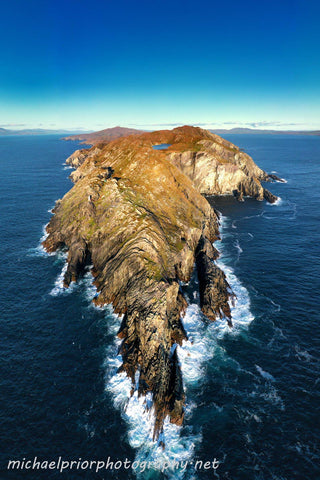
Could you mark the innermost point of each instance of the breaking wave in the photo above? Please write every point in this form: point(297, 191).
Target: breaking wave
point(39, 251)
point(58, 288)
point(278, 202)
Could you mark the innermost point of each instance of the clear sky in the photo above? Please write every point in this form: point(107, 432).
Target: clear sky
point(93, 64)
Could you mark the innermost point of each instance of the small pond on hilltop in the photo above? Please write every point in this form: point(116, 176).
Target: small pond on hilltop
point(162, 146)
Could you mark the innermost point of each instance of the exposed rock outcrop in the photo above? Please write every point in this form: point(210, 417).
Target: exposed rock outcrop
point(217, 167)
point(79, 156)
point(214, 289)
point(137, 215)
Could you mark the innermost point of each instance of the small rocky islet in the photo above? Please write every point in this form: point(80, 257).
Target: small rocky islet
point(139, 215)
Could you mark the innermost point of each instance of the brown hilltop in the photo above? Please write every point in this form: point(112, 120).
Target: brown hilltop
point(138, 216)
point(215, 165)
point(103, 136)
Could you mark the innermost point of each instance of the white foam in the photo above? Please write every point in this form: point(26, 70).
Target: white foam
point(278, 202)
point(240, 310)
point(39, 251)
point(197, 350)
point(58, 288)
point(90, 290)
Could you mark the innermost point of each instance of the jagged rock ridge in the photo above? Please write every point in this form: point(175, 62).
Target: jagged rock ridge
point(136, 214)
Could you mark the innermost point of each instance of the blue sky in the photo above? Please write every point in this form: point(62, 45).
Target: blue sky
point(94, 64)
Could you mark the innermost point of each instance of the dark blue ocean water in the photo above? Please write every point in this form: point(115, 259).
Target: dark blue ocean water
point(252, 394)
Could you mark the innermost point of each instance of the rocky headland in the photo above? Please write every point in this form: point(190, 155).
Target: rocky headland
point(139, 216)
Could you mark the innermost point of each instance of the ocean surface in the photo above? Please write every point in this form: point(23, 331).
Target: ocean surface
point(253, 392)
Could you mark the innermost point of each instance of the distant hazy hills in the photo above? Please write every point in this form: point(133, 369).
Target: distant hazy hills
point(252, 131)
point(104, 135)
point(34, 131)
point(109, 134)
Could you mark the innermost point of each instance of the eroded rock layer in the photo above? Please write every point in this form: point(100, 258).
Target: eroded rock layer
point(137, 215)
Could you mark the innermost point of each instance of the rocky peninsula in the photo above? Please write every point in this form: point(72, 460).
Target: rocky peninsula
point(139, 216)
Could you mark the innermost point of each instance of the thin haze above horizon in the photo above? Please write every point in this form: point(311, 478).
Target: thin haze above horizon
point(80, 65)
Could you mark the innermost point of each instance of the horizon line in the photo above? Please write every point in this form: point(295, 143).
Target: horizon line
point(162, 126)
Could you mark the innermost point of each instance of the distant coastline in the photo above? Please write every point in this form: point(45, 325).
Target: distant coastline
point(36, 131)
point(87, 136)
point(253, 131)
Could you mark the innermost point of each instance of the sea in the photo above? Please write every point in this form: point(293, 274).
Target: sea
point(253, 391)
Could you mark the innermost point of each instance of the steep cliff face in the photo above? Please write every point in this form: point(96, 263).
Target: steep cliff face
point(79, 156)
point(217, 167)
point(135, 215)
